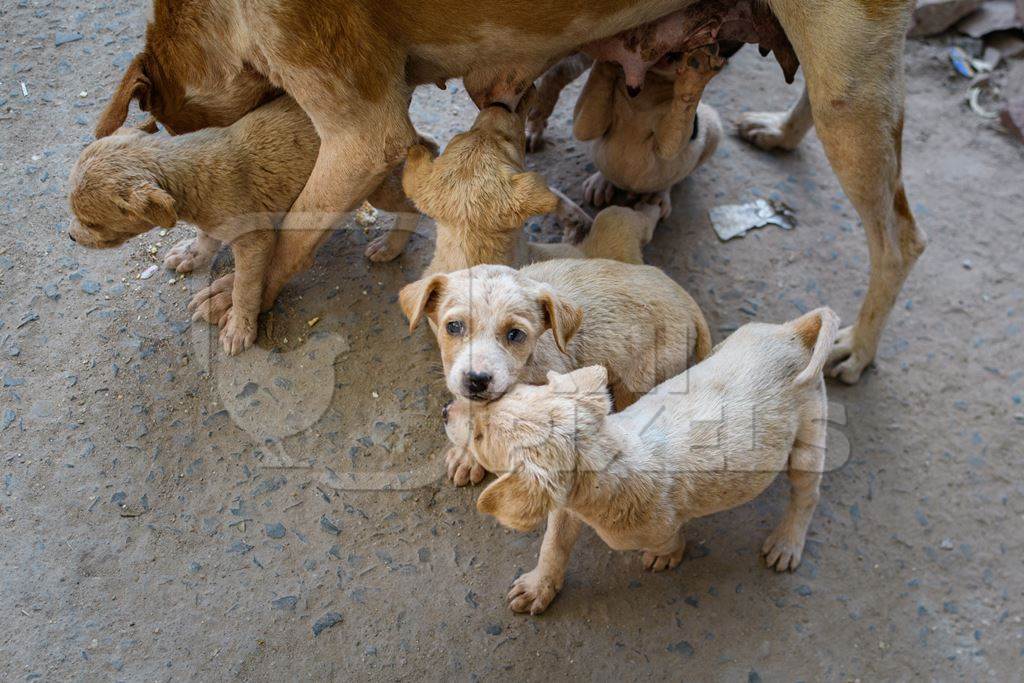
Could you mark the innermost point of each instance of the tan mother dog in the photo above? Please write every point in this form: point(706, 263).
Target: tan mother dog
point(705, 441)
point(352, 65)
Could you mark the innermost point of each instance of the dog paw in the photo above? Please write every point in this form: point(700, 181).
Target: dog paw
point(783, 549)
point(213, 303)
point(662, 200)
point(185, 256)
point(598, 190)
point(463, 468)
point(238, 333)
point(767, 130)
point(535, 135)
point(846, 361)
point(657, 563)
point(383, 249)
point(532, 593)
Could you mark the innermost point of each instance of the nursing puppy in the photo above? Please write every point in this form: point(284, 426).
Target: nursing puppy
point(705, 441)
point(233, 183)
point(479, 194)
point(497, 326)
point(648, 141)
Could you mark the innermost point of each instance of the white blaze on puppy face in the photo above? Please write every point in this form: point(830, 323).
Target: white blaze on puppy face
point(487, 327)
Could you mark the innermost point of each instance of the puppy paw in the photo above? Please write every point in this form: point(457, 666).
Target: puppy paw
point(213, 303)
point(598, 190)
point(657, 563)
point(383, 249)
point(186, 256)
point(767, 130)
point(532, 593)
point(847, 360)
point(662, 200)
point(238, 333)
point(783, 548)
point(463, 468)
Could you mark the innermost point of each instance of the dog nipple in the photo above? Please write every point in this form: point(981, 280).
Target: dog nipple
point(633, 90)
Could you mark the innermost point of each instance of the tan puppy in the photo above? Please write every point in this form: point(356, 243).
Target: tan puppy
point(706, 441)
point(497, 326)
point(233, 183)
point(479, 194)
point(648, 141)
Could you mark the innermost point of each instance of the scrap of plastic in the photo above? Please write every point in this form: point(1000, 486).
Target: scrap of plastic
point(961, 62)
point(735, 220)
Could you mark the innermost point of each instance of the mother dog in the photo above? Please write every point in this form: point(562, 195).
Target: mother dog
point(352, 66)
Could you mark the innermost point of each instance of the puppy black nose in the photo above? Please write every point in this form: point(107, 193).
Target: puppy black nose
point(444, 411)
point(477, 382)
point(633, 90)
point(72, 237)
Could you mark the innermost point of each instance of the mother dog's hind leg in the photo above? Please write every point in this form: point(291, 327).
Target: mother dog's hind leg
point(855, 85)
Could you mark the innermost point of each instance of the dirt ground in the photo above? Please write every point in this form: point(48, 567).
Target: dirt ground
point(168, 514)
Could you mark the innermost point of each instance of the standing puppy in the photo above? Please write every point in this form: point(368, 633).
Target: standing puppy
point(706, 441)
point(645, 141)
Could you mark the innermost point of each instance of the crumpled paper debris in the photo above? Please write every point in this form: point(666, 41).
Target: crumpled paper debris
point(735, 220)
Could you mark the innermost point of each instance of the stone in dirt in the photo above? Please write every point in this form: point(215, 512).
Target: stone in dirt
point(325, 622)
point(935, 16)
point(992, 16)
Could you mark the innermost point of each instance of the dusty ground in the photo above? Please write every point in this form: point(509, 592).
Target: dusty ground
point(147, 530)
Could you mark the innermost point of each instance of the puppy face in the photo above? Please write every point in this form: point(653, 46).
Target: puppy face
point(113, 198)
point(488, 321)
point(529, 437)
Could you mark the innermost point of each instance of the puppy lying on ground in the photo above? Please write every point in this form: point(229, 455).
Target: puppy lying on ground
point(497, 326)
point(479, 195)
point(233, 183)
point(705, 441)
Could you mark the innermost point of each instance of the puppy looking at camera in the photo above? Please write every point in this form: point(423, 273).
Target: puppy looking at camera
point(497, 327)
point(705, 441)
point(235, 184)
point(647, 141)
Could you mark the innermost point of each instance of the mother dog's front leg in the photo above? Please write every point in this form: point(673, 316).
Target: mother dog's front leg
point(359, 143)
point(855, 85)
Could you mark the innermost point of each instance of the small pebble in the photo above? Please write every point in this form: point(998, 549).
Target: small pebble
point(325, 622)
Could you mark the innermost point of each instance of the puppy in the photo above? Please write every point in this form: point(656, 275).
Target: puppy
point(647, 141)
point(706, 441)
point(497, 326)
point(479, 195)
point(233, 183)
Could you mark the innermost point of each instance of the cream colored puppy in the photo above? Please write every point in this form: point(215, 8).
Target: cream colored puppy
point(705, 441)
point(647, 141)
point(497, 326)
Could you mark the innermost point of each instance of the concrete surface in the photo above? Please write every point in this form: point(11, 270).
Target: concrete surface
point(148, 529)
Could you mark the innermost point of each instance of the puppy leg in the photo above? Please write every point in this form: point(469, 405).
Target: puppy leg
point(784, 546)
point(252, 252)
point(194, 253)
point(778, 130)
point(390, 244)
point(675, 128)
point(856, 91)
point(533, 592)
point(212, 303)
point(462, 467)
point(550, 88)
point(667, 556)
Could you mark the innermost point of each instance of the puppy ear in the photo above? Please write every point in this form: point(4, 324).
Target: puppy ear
point(516, 500)
point(153, 204)
point(533, 195)
point(560, 316)
point(419, 162)
point(135, 84)
point(587, 386)
point(421, 297)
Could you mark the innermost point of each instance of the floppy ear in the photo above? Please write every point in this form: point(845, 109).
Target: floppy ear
point(153, 204)
point(421, 297)
point(134, 85)
point(588, 386)
point(516, 500)
point(562, 317)
point(418, 164)
point(533, 194)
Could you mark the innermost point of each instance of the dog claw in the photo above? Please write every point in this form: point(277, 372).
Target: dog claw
point(598, 191)
point(532, 593)
point(237, 334)
point(846, 362)
point(657, 563)
point(783, 549)
point(186, 256)
point(463, 468)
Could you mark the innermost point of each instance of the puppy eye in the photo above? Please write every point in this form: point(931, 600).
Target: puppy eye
point(515, 335)
point(455, 328)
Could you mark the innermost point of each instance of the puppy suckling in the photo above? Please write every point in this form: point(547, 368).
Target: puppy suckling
point(705, 441)
point(496, 326)
point(647, 141)
point(233, 183)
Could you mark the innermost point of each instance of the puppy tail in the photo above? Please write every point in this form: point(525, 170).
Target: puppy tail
point(816, 331)
point(703, 347)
